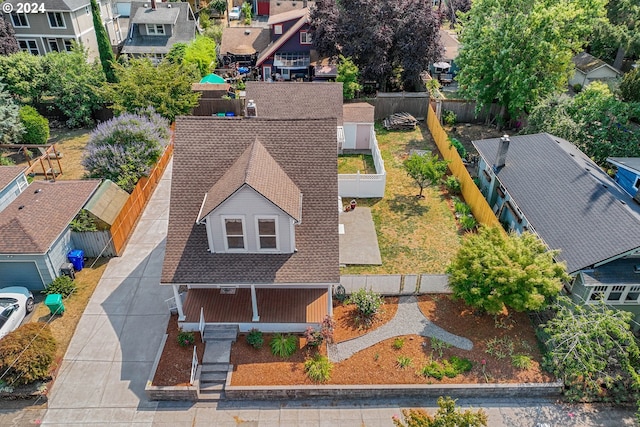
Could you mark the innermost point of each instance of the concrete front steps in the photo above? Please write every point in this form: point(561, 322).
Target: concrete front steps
point(215, 362)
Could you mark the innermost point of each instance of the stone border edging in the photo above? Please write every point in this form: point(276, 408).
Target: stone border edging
point(376, 391)
point(181, 393)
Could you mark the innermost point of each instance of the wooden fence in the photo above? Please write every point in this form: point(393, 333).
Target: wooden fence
point(387, 103)
point(472, 195)
point(211, 107)
point(128, 216)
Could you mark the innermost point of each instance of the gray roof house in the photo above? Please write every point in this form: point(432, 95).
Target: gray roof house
point(255, 237)
point(544, 184)
point(588, 68)
point(61, 23)
point(155, 27)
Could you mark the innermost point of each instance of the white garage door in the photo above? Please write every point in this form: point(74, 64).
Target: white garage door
point(20, 274)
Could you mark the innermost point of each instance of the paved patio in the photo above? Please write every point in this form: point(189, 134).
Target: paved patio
point(359, 243)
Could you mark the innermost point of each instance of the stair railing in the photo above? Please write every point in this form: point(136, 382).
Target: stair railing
point(201, 324)
point(194, 365)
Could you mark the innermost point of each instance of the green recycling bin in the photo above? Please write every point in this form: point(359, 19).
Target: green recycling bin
point(54, 302)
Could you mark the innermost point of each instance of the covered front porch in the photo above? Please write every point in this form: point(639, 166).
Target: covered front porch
point(267, 309)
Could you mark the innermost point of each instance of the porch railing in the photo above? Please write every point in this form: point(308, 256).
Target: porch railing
point(201, 324)
point(194, 365)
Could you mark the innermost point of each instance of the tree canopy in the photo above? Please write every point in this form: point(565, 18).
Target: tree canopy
point(201, 52)
point(165, 87)
point(518, 52)
point(104, 46)
point(425, 169)
point(8, 42)
point(493, 271)
point(11, 128)
point(348, 74)
point(630, 86)
point(24, 75)
point(447, 415)
point(618, 33)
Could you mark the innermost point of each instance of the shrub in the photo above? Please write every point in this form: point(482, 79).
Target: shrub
point(577, 88)
point(36, 127)
point(449, 117)
point(398, 343)
point(403, 362)
point(367, 302)
point(255, 338)
point(6, 161)
point(314, 338)
point(468, 222)
point(446, 415)
point(500, 348)
point(27, 353)
point(318, 368)
point(439, 346)
point(460, 364)
point(462, 208)
point(459, 147)
point(433, 370)
point(521, 361)
point(83, 222)
point(283, 345)
point(328, 325)
point(186, 338)
point(125, 148)
point(450, 368)
point(453, 184)
point(62, 285)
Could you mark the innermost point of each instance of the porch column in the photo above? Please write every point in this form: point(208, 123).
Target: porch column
point(330, 296)
point(254, 304)
point(176, 295)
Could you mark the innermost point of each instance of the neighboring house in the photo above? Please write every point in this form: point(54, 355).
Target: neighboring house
point(155, 27)
point(288, 56)
point(451, 46)
point(35, 234)
point(588, 68)
point(253, 228)
point(544, 184)
point(13, 181)
point(62, 22)
point(241, 46)
point(627, 174)
point(276, 7)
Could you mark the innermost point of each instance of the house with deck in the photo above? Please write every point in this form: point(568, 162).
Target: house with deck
point(13, 181)
point(543, 184)
point(253, 227)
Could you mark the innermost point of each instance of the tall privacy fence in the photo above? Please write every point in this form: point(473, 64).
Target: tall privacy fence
point(465, 111)
point(472, 195)
point(362, 185)
point(387, 103)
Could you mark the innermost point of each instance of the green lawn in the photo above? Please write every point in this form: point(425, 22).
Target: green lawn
point(414, 235)
point(352, 163)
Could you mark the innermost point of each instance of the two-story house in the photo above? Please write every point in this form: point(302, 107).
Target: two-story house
point(253, 228)
point(288, 55)
point(155, 27)
point(544, 184)
point(60, 22)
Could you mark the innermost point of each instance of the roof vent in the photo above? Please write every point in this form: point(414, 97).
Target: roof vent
point(39, 190)
point(247, 31)
point(169, 6)
point(20, 207)
point(252, 110)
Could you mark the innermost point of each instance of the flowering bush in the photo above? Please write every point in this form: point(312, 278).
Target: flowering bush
point(186, 338)
point(367, 302)
point(125, 148)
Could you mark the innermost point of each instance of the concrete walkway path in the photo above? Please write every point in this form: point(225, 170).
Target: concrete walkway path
point(408, 320)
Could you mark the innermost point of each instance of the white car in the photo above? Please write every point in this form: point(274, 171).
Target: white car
point(15, 303)
point(234, 14)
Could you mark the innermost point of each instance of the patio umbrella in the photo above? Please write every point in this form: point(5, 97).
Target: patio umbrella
point(443, 65)
point(212, 78)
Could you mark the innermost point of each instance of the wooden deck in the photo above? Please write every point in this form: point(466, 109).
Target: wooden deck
point(274, 305)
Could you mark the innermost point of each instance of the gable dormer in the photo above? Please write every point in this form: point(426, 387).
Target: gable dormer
point(156, 21)
point(253, 207)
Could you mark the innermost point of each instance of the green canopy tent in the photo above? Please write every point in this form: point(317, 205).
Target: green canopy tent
point(213, 79)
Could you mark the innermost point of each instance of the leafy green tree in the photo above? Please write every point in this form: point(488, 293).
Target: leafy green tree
point(593, 350)
point(518, 52)
point(36, 127)
point(493, 271)
point(617, 34)
point(219, 6)
point(166, 88)
point(8, 42)
point(11, 128)
point(246, 12)
point(630, 86)
point(202, 53)
point(348, 74)
point(107, 58)
point(176, 53)
point(447, 415)
point(74, 85)
point(24, 75)
point(425, 169)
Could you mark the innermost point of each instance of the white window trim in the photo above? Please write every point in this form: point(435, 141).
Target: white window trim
point(264, 72)
point(308, 35)
point(636, 184)
point(275, 220)
point(56, 42)
point(64, 43)
point(277, 29)
point(64, 22)
point(155, 30)
point(223, 218)
point(607, 292)
point(20, 26)
point(28, 48)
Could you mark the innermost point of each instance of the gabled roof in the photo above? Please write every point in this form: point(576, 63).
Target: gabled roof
point(8, 174)
point(107, 202)
point(257, 169)
point(244, 41)
point(37, 217)
point(588, 63)
point(572, 204)
point(358, 112)
point(302, 100)
point(288, 16)
point(630, 163)
point(273, 47)
point(451, 46)
point(306, 152)
point(184, 27)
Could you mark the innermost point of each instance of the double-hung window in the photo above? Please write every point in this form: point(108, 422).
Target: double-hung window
point(234, 231)
point(305, 38)
point(19, 20)
point(267, 233)
point(56, 20)
point(155, 29)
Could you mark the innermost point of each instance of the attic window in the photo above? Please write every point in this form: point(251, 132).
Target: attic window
point(277, 29)
point(234, 233)
point(267, 235)
point(636, 184)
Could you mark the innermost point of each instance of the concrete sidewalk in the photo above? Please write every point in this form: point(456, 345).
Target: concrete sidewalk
point(109, 359)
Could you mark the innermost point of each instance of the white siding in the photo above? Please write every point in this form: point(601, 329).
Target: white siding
point(349, 136)
point(11, 191)
point(248, 204)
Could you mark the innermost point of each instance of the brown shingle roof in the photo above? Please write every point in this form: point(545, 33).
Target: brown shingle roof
point(244, 41)
point(306, 152)
point(8, 174)
point(587, 63)
point(35, 219)
point(358, 112)
point(308, 100)
point(288, 16)
point(257, 169)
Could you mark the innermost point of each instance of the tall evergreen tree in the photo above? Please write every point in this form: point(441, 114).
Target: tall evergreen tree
point(8, 42)
point(11, 128)
point(104, 46)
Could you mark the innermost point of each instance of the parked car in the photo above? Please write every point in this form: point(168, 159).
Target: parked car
point(234, 14)
point(15, 303)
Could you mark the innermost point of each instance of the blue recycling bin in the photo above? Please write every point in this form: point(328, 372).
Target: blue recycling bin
point(76, 257)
